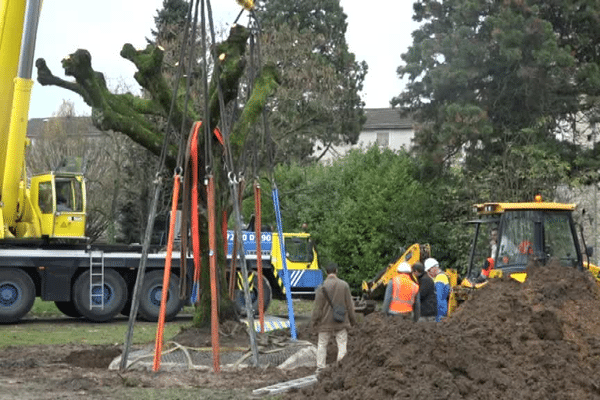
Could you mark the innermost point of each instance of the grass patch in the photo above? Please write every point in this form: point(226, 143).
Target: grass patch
point(279, 307)
point(46, 325)
point(27, 333)
point(44, 309)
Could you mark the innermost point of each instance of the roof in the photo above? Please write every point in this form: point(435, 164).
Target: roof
point(495, 208)
point(385, 118)
point(72, 126)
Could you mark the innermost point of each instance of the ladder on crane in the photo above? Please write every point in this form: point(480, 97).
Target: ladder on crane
point(97, 279)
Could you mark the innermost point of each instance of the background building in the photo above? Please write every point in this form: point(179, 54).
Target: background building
point(383, 127)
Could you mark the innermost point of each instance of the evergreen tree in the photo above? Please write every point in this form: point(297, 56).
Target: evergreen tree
point(318, 104)
point(489, 78)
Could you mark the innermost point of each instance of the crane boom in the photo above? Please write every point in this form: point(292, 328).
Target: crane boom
point(11, 32)
point(28, 211)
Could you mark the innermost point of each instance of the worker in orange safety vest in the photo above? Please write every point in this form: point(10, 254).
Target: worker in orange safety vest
point(401, 294)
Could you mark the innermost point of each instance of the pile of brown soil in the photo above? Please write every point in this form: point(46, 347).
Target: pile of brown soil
point(533, 340)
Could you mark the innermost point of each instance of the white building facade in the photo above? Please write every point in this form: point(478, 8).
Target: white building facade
point(383, 127)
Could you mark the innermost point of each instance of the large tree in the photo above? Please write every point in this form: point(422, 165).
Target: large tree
point(143, 118)
point(487, 80)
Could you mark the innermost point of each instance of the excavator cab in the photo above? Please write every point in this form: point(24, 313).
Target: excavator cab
point(530, 231)
point(58, 200)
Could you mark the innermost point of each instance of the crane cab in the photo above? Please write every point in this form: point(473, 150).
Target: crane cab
point(58, 202)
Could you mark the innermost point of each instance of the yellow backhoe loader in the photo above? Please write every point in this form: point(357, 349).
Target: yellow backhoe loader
point(508, 236)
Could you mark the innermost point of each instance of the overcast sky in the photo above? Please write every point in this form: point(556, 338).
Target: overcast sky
point(378, 32)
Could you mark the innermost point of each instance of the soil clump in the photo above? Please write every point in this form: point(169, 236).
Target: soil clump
point(533, 340)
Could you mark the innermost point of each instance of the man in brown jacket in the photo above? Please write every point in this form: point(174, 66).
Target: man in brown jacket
point(322, 319)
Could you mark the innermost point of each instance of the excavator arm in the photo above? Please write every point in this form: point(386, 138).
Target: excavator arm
point(376, 286)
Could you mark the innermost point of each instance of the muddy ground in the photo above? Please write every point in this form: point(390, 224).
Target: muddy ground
point(81, 371)
point(536, 340)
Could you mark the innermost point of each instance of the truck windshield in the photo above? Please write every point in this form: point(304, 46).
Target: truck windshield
point(299, 249)
point(69, 195)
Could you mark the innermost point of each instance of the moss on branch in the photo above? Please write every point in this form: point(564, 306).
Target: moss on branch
point(231, 62)
point(264, 86)
point(127, 113)
point(118, 112)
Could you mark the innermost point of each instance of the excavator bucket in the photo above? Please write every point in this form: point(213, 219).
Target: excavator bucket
point(363, 305)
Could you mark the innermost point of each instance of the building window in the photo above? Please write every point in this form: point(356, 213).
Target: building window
point(383, 139)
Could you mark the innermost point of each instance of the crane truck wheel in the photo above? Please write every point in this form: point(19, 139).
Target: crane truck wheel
point(100, 305)
point(67, 308)
point(240, 303)
point(151, 296)
point(17, 294)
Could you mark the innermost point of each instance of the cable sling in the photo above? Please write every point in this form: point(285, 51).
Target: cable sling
point(258, 234)
point(233, 188)
point(152, 215)
point(275, 196)
point(175, 200)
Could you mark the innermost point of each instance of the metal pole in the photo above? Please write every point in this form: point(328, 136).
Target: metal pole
point(32, 18)
point(282, 254)
point(240, 246)
point(140, 274)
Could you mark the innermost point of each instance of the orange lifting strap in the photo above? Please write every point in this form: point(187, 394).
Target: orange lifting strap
point(194, 208)
point(167, 275)
point(194, 214)
point(212, 257)
point(224, 230)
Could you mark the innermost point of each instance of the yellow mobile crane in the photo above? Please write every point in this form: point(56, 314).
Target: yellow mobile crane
point(53, 205)
point(42, 239)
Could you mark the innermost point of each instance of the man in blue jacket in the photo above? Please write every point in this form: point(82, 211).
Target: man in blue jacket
point(442, 287)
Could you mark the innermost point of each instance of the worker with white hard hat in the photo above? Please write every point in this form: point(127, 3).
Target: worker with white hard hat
point(431, 263)
point(442, 286)
point(401, 294)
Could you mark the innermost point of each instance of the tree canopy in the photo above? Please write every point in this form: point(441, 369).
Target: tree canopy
point(489, 79)
point(318, 103)
point(363, 210)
